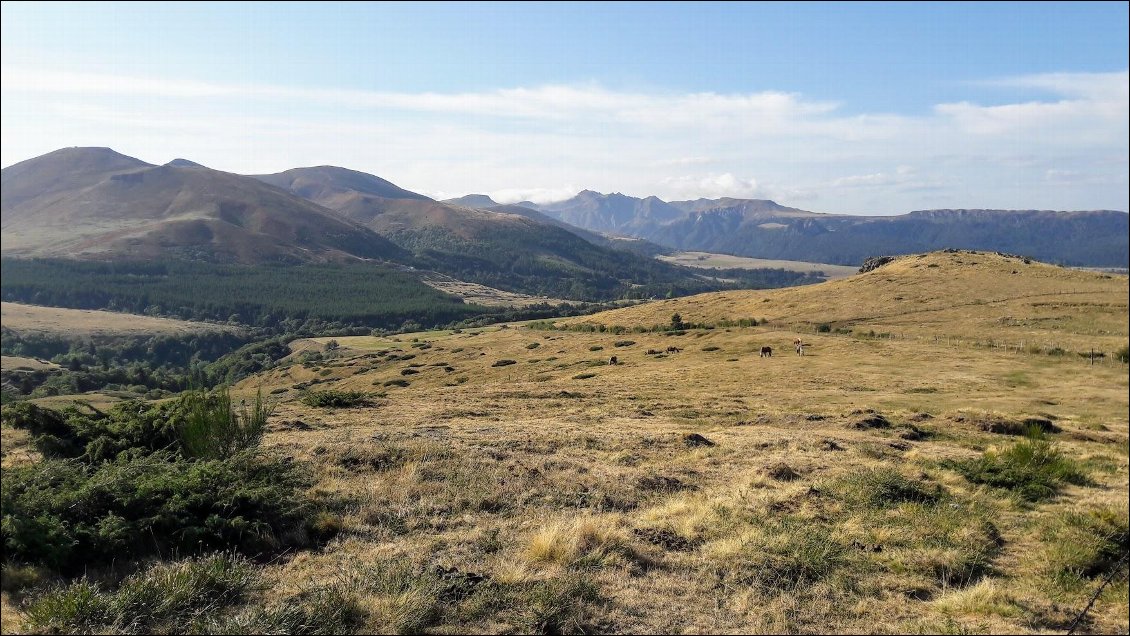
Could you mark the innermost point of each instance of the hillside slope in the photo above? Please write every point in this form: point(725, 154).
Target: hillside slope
point(967, 294)
point(695, 486)
point(95, 203)
point(513, 249)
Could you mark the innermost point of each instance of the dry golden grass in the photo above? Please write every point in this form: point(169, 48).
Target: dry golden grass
point(584, 506)
point(963, 296)
point(17, 363)
point(727, 261)
point(33, 319)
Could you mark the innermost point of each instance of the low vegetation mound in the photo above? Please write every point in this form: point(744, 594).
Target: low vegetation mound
point(1032, 469)
point(183, 477)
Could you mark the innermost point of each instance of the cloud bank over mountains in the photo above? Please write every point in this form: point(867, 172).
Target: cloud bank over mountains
point(1066, 149)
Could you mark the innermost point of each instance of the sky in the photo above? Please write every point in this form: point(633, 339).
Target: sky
point(856, 108)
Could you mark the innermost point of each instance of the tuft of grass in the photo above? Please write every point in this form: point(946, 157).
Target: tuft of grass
point(388, 597)
point(322, 609)
point(584, 542)
point(503, 363)
point(987, 597)
point(561, 604)
point(162, 598)
point(584, 376)
point(557, 606)
point(15, 578)
point(1082, 545)
point(885, 488)
point(779, 556)
point(1032, 469)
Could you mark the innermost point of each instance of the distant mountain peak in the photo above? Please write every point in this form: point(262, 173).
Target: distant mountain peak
point(473, 201)
point(319, 183)
point(184, 163)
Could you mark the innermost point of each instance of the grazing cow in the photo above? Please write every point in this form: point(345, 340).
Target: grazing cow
point(612, 360)
point(673, 350)
point(767, 352)
point(800, 349)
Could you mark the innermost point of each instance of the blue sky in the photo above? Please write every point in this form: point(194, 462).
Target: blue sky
point(835, 107)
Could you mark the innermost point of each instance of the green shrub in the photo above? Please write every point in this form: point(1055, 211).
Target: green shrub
point(64, 514)
point(212, 429)
point(711, 348)
point(824, 328)
point(596, 348)
point(1032, 469)
point(94, 435)
point(503, 363)
point(584, 376)
point(1123, 354)
point(337, 399)
point(533, 345)
point(624, 343)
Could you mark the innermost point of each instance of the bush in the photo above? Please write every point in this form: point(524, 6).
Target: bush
point(824, 328)
point(212, 429)
point(1032, 469)
point(503, 363)
point(338, 399)
point(1123, 354)
point(624, 343)
point(94, 435)
point(65, 514)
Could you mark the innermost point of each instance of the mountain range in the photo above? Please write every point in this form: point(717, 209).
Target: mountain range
point(94, 203)
point(764, 229)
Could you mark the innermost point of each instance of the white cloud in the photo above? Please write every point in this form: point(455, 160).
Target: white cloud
point(536, 195)
point(710, 186)
point(545, 143)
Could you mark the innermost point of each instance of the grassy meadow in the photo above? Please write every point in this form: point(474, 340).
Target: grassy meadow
point(942, 459)
point(89, 323)
point(708, 260)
